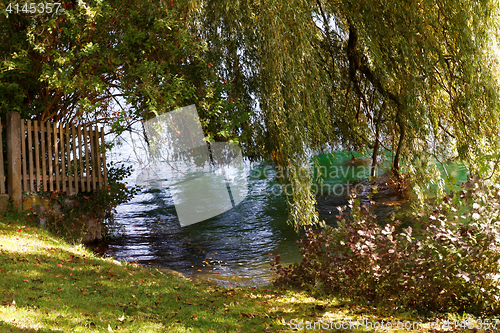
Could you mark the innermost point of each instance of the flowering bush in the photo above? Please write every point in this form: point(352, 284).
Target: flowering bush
point(448, 261)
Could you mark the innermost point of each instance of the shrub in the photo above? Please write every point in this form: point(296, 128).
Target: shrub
point(102, 203)
point(68, 218)
point(448, 261)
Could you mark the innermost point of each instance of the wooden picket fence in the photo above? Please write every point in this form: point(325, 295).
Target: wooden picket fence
point(59, 157)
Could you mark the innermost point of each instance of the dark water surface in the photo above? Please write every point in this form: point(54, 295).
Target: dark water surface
point(231, 248)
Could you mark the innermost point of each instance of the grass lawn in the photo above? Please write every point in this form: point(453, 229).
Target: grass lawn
point(48, 285)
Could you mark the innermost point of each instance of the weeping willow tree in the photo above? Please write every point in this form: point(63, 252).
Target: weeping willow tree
point(418, 79)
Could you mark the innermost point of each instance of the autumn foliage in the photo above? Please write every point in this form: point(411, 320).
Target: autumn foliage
point(448, 261)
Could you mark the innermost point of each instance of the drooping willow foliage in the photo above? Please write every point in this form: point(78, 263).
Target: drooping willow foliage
point(418, 79)
point(284, 79)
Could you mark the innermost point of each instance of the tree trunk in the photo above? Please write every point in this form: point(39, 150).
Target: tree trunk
point(395, 166)
point(377, 142)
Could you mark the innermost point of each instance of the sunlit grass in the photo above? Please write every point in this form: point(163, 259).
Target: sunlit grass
point(49, 285)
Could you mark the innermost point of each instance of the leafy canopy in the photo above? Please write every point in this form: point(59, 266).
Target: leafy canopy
point(284, 79)
point(108, 62)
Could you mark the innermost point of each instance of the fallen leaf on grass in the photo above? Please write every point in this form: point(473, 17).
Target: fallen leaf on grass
point(253, 315)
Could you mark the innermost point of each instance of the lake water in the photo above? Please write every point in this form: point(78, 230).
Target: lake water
point(231, 248)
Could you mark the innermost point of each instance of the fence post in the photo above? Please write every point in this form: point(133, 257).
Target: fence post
point(14, 158)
